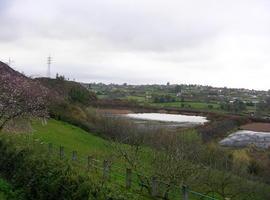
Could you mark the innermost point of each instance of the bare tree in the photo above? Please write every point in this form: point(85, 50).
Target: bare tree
point(177, 163)
point(20, 96)
point(173, 163)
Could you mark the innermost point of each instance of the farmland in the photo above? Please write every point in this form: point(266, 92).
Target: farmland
point(67, 132)
point(193, 97)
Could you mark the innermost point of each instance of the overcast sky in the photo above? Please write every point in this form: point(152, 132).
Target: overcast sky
point(209, 42)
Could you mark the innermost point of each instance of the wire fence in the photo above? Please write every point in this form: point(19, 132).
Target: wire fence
point(114, 174)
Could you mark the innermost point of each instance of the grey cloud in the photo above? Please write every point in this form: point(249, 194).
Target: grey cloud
point(141, 41)
point(3, 5)
point(7, 33)
point(154, 26)
point(124, 26)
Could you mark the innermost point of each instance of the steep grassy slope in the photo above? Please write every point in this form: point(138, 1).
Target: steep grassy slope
point(74, 138)
point(71, 137)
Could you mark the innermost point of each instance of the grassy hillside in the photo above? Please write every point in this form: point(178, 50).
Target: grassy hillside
point(85, 143)
point(74, 138)
point(71, 137)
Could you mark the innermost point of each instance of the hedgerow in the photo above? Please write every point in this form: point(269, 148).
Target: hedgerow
point(41, 177)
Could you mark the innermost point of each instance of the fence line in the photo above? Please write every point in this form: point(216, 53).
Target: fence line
point(139, 183)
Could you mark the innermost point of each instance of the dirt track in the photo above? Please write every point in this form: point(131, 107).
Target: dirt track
point(260, 127)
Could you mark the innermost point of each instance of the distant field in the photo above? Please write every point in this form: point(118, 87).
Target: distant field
point(102, 96)
point(251, 109)
point(194, 105)
point(137, 98)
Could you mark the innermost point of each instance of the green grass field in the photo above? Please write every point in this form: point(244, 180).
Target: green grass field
point(71, 137)
point(102, 96)
point(74, 138)
point(140, 99)
point(86, 144)
point(188, 104)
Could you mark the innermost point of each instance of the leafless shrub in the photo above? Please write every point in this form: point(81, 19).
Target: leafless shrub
point(20, 97)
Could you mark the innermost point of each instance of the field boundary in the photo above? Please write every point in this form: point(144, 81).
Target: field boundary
point(113, 174)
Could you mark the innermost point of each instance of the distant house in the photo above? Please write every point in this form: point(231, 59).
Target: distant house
point(148, 97)
point(255, 101)
point(179, 94)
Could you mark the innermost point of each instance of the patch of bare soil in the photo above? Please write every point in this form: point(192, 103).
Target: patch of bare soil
point(259, 127)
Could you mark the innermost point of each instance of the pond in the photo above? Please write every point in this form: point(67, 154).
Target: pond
point(244, 138)
point(175, 119)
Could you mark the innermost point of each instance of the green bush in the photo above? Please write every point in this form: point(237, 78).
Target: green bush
point(73, 114)
point(78, 94)
point(253, 167)
point(7, 192)
point(41, 177)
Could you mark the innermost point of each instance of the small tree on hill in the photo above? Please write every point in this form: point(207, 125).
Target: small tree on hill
point(20, 97)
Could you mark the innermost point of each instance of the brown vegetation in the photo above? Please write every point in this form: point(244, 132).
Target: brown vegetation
point(115, 111)
point(220, 128)
point(260, 127)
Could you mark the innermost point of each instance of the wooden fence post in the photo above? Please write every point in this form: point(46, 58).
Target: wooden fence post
point(74, 156)
point(89, 162)
point(154, 185)
point(106, 170)
point(185, 192)
point(61, 152)
point(128, 178)
point(50, 148)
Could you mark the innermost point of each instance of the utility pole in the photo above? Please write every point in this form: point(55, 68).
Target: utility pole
point(49, 62)
point(10, 61)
